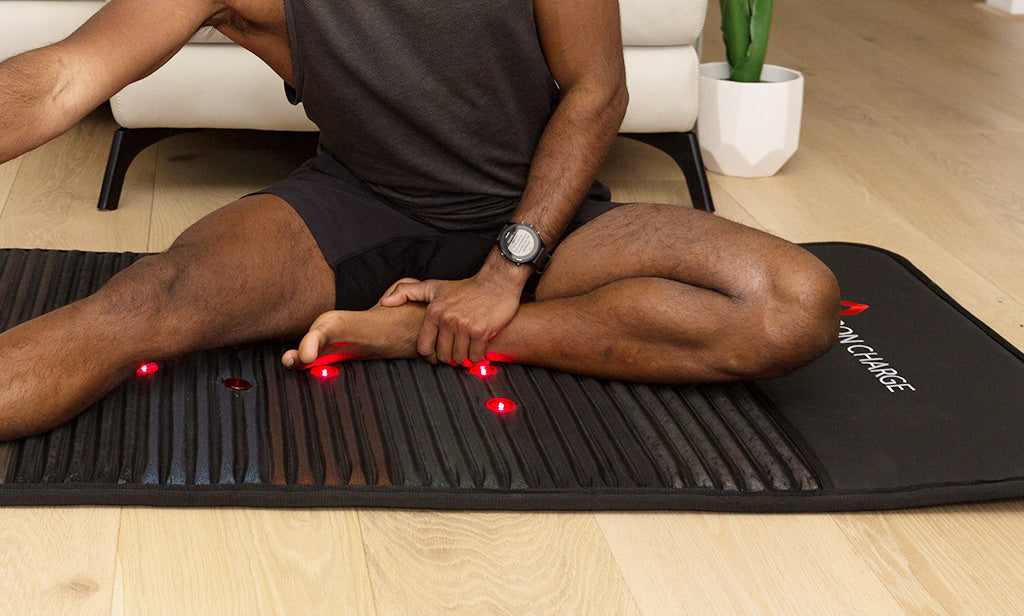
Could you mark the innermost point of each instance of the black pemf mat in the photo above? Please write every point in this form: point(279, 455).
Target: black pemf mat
point(919, 404)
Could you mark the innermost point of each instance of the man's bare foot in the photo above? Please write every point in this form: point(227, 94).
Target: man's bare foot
point(377, 333)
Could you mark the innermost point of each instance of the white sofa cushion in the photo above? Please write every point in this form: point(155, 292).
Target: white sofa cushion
point(210, 86)
point(30, 24)
point(662, 83)
point(644, 22)
point(662, 22)
point(227, 87)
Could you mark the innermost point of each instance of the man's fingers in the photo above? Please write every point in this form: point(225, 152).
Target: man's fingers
point(445, 340)
point(426, 340)
point(410, 292)
point(478, 350)
point(460, 348)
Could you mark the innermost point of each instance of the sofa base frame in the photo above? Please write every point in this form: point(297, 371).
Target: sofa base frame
point(130, 142)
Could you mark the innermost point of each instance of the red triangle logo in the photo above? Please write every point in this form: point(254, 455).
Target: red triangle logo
point(851, 308)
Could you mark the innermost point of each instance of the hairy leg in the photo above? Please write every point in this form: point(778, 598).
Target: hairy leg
point(648, 293)
point(666, 294)
point(246, 272)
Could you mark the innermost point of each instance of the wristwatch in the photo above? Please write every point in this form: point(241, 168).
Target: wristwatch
point(520, 243)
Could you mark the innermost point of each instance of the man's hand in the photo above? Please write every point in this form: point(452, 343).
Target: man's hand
point(462, 315)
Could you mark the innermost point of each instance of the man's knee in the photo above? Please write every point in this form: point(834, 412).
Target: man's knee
point(150, 289)
point(796, 316)
point(804, 323)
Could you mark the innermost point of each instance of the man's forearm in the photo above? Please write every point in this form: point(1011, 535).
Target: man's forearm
point(464, 315)
point(566, 162)
point(32, 109)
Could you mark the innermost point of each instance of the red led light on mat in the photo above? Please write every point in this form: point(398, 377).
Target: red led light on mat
point(147, 368)
point(325, 372)
point(483, 369)
point(501, 405)
point(237, 384)
point(330, 359)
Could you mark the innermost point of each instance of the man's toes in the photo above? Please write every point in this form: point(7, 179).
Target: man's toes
point(312, 343)
point(291, 359)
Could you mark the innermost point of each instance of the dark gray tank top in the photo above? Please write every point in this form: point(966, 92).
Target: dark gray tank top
point(437, 105)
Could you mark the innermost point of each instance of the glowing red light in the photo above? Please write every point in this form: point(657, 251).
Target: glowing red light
point(325, 372)
point(483, 369)
point(237, 384)
point(501, 405)
point(147, 368)
point(331, 358)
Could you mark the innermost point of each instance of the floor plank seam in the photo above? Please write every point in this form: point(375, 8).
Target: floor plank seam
point(856, 546)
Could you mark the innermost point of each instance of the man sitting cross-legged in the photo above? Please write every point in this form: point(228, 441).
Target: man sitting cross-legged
point(444, 127)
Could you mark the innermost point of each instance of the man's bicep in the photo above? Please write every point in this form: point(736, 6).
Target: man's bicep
point(124, 42)
point(582, 41)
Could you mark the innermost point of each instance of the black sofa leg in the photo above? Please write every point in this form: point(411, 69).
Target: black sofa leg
point(684, 149)
point(126, 145)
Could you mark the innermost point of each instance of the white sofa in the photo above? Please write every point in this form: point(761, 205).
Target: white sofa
point(212, 83)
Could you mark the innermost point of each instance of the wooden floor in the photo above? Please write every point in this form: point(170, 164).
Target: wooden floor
point(913, 140)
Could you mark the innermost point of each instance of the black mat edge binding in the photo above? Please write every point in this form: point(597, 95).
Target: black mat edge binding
point(31, 481)
point(446, 499)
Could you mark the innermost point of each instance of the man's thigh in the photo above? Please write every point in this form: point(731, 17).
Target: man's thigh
point(250, 270)
point(665, 241)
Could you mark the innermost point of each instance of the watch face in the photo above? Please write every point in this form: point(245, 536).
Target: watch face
point(522, 244)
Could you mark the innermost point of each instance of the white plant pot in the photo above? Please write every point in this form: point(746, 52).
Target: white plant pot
point(749, 129)
point(1013, 7)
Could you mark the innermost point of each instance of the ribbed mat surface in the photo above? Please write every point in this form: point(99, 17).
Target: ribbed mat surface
point(919, 404)
point(406, 428)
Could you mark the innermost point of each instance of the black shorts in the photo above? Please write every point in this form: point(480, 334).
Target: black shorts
point(370, 244)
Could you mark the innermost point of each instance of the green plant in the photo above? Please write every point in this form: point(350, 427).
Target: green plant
point(745, 26)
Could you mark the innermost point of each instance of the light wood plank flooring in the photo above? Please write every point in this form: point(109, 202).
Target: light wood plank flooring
point(913, 140)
